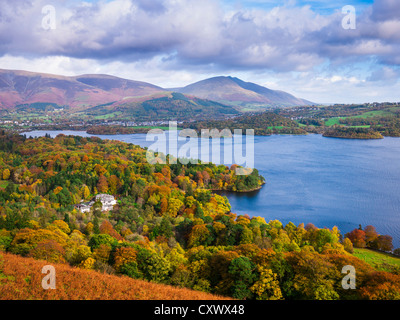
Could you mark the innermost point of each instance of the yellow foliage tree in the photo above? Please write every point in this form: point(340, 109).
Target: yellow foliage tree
point(88, 263)
point(174, 205)
point(62, 225)
point(6, 174)
point(267, 286)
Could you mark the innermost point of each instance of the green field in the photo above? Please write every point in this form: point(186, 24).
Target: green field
point(3, 183)
point(377, 113)
point(379, 260)
point(388, 112)
point(108, 115)
point(333, 121)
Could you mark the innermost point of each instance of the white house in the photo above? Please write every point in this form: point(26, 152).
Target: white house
point(107, 202)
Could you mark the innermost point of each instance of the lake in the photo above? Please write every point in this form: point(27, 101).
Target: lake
point(311, 179)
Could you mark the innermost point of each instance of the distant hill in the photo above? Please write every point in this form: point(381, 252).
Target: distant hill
point(21, 279)
point(102, 96)
point(121, 99)
point(246, 96)
point(23, 87)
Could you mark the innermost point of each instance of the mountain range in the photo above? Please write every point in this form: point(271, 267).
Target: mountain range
point(227, 95)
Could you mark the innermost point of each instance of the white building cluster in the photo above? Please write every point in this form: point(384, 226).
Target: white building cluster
point(107, 202)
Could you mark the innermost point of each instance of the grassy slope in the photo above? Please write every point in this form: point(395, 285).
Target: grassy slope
point(368, 114)
point(332, 121)
point(378, 260)
point(21, 278)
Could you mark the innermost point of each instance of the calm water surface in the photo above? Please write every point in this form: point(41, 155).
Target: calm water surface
point(328, 182)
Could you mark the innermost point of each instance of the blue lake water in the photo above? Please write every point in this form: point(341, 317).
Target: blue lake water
point(325, 181)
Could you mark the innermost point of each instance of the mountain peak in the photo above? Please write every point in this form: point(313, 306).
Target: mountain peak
point(244, 95)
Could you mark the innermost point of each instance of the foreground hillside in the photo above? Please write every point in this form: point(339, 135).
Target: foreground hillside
point(21, 279)
point(168, 227)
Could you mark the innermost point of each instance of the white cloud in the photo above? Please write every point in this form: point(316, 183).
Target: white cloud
point(174, 42)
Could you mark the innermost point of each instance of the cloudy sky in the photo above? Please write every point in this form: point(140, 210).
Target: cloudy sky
point(299, 46)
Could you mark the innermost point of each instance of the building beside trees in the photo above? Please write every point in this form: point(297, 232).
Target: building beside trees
point(107, 202)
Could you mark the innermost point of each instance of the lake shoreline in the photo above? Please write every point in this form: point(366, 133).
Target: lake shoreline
point(143, 131)
point(239, 191)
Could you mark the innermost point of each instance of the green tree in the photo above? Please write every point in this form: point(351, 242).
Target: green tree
point(242, 271)
point(153, 266)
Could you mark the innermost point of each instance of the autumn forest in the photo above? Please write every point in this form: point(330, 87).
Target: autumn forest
point(170, 225)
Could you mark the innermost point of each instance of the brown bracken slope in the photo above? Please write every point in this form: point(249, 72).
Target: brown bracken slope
point(21, 279)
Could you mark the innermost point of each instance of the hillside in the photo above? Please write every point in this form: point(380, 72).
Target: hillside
point(161, 106)
point(246, 96)
point(97, 97)
point(167, 227)
point(211, 97)
point(23, 87)
point(21, 279)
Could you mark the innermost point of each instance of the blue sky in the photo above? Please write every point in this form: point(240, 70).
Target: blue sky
point(297, 46)
point(322, 7)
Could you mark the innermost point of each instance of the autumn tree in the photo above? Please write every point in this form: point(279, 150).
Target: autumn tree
point(383, 242)
point(163, 205)
point(48, 250)
point(381, 286)
point(114, 184)
point(85, 192)
point(6, 174)
point(107, 228)
point(124, 255)
point(370, 235)
point(198, 235)
point(102, 185)
point(26, 240)
point(102, 252)
point(357, 237)
point(348, 245)
point(267, 285)
point(311, 277)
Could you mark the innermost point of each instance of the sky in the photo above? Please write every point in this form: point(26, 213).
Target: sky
point(313, 49)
